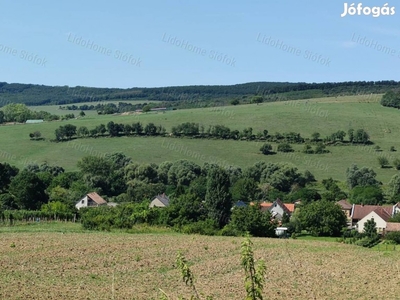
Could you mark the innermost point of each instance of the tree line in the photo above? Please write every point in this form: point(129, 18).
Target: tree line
point(31, 94)
point(111, 108)
point(195, 130)
point(203, 199)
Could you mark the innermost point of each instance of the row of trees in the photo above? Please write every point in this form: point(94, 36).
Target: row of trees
point(68, 131)
point(111, 108)
point(195, 130)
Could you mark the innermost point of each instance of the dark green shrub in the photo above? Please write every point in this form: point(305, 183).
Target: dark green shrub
point(393, 236)
point(207, 227)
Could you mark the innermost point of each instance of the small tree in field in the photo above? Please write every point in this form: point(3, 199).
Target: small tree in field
point(146, 108)
point(383, 161)
point(396, 164)
point(285, 147)
point(266, 149)
point(315, 137)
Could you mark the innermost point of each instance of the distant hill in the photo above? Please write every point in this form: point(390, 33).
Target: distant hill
point(32, 94)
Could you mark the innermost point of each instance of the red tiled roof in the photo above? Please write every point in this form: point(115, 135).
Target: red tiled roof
point(392, 226)
point(290, 207)
point(360, 211)
point(344, 204)
point(96, 198)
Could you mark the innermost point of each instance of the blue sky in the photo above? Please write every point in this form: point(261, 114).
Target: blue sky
point(174, 42)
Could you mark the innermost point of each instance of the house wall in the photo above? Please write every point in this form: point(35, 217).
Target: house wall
point(82, 203)
point(156, 203)
point(278, 209)
point(380, 223)
point(86, 202)
point(347, 212)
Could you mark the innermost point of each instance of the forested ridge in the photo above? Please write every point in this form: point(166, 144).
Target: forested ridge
point(31, 94)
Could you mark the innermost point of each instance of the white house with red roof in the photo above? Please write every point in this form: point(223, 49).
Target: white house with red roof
point(381, 217)
point(91, 200)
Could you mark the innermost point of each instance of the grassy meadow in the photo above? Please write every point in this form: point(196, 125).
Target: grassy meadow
point(69, 263)
point(325, 115)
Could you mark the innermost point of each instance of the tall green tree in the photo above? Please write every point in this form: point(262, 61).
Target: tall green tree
point(245, 189)
point(322, 218)
point(252, 220)
point(28, 190)
point(394, 189)
point(370, 228)
point(360, 177)
point(368, 195)
point(7, 172)
point(218, 198)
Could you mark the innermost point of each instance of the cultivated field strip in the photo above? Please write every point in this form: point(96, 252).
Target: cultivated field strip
point(126, 266)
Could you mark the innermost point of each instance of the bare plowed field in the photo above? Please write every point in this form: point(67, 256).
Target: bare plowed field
point(51, 265)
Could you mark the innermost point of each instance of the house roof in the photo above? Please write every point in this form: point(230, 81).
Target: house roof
point(96, 198)
point(344, 204)
point(163, 199)
point(287, 207)
point(390, 226)
point(360, 211)
point(382, 213)
point(33, 121)
point(240, 204)
point(290, 207)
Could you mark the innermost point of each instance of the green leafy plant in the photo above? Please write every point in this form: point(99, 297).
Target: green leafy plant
point(255, 273)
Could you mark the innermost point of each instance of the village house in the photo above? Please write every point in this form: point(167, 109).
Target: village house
point(358, 214)
point(159, 201)
point(91, 200)
point(380, 217)
point(359, 211)
point(277, 208)
point(346, 208)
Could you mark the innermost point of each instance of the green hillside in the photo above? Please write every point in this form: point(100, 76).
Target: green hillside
point(325, 115)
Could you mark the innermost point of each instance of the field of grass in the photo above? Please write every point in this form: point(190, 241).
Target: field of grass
point(74, 264)
point(326, 115)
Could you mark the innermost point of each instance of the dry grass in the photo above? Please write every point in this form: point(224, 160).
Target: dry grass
point(73, 265)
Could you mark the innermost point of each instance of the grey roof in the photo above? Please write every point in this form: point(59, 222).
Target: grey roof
point(163, 199)
point(240, 204)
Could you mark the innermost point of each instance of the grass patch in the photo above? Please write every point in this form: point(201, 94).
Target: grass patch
point(36, 227)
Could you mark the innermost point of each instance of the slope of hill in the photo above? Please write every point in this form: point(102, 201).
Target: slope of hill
point(31, 94)
point(303, 116)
